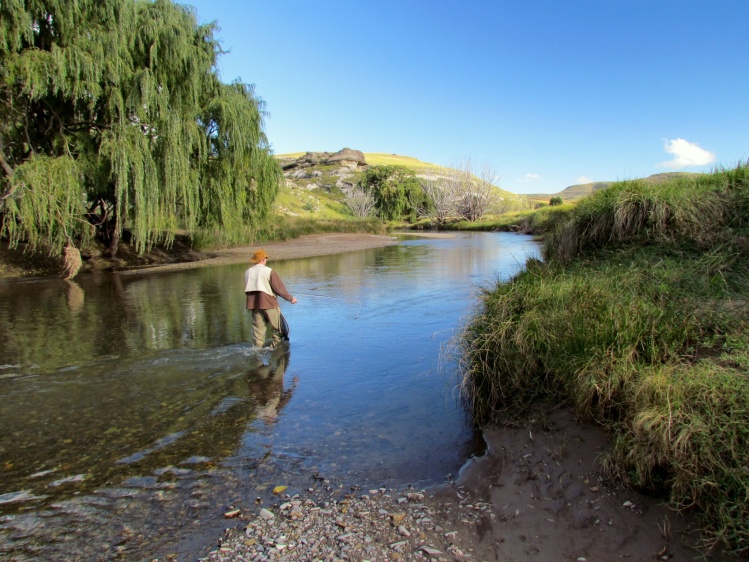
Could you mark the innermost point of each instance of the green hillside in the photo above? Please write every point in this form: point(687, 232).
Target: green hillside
point(382, 159)
point(316, 188)
point(574, 192)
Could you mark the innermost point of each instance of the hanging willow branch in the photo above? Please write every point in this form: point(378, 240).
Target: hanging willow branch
point(120, 101)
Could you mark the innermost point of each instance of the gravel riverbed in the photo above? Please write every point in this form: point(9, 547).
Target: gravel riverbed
point(326, 523)
point(537, 494)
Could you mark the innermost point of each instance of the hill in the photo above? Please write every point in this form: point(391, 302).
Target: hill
point(574, 192)
point(317, 182)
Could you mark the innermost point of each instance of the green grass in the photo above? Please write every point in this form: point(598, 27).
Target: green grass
point(536, 221)
point(292, 227)
point(382, 159)
point(639, 317)
point(287, 228)
point(313, 204)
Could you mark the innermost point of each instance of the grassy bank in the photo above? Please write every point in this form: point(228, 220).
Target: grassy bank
point(538, 221)
point(638, 317)
point(286, 228)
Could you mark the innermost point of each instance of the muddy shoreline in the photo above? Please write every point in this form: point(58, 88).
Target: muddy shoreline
point(537, 494)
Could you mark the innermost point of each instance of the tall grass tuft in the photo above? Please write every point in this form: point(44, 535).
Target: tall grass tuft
point(639, 317)
point(683, 211)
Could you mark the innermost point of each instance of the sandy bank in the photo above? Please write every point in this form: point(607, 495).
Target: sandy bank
point(302, 247)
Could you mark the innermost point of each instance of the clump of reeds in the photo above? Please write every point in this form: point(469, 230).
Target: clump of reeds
point(72, 261)
point(638, 317)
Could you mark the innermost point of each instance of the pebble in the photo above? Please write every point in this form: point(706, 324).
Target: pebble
point(330, 525)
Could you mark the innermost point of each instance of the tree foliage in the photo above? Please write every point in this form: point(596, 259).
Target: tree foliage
point(113, 116)
point(396, 191)
point(554, 201)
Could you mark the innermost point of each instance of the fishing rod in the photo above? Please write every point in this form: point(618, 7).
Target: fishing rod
point(334, 298)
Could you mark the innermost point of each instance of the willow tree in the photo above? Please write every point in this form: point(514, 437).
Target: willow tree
point(396, 191)
point(113, 116)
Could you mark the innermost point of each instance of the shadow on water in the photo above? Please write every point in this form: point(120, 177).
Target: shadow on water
point(134, 412)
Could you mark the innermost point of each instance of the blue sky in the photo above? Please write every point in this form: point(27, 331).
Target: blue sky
point(548, 93)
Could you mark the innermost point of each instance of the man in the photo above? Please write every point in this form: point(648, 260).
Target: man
point(262, 286)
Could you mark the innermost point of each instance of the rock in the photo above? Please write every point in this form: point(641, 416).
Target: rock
point(348, 158)
point(397, 517)
point(342, 528)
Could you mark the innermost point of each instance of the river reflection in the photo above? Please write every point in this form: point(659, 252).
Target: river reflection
point(132, 405)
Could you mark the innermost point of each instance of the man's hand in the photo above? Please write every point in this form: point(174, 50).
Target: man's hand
point(293, 300)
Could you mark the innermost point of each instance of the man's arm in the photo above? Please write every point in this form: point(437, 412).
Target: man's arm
point(279, 288)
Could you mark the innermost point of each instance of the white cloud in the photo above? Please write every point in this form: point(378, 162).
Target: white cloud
point(530, 177)
point(686, 154)
point(582, 179)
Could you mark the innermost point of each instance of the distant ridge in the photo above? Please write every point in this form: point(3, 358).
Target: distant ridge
point(579, 191)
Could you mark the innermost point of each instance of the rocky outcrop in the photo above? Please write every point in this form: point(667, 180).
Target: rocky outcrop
point(347, 158)
point(306, 161)
point(314, 170)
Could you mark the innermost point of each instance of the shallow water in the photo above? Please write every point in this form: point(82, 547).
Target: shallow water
point(133, 405)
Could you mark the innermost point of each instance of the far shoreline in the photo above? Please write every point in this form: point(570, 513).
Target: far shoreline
point(306, 246)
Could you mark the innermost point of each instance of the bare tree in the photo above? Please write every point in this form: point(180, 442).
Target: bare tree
point(441, 197)
point(474, 192)
point(360, 202)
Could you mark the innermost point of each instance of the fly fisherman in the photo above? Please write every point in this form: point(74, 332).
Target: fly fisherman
point(262, 286)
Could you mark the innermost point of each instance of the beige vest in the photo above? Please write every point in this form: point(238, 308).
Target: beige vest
point(257, 278)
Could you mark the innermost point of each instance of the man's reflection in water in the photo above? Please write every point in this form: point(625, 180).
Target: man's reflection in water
point(266, 385)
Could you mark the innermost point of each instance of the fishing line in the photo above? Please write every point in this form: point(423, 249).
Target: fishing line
point(334, 298)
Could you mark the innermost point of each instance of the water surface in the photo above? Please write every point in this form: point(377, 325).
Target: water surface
point(133, 405)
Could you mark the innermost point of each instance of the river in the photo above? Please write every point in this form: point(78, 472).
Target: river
point(135, 412)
